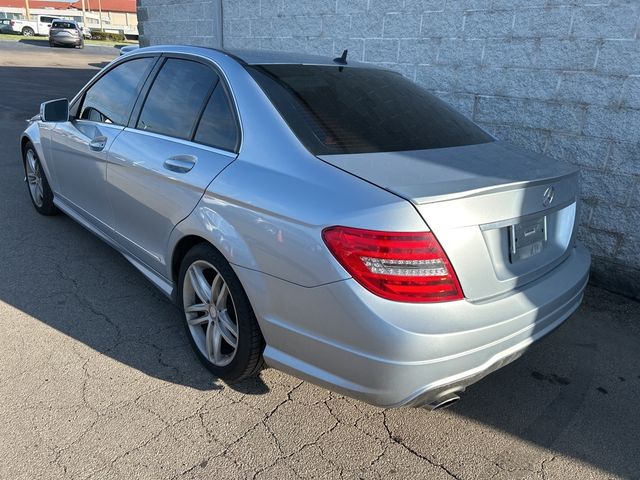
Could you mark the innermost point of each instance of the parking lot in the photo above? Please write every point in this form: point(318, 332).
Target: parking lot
point(98, 380)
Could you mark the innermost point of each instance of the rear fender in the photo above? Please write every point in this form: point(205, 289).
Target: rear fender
point(278, 245)
point(258, 241)
point(205, 222)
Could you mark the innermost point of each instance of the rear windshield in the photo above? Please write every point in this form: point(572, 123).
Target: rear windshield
point(63, 25)
point(335, 110)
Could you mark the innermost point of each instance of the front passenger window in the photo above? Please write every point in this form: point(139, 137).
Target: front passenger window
point(111, 98)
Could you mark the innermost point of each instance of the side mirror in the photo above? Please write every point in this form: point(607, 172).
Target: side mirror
point(55, 110)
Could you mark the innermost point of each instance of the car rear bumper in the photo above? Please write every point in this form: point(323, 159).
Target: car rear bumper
point(66, 40)
point(392, 354)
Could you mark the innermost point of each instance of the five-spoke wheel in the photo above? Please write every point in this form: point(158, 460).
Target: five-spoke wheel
point(222, 326)
point(34, 177)
point(210, 313)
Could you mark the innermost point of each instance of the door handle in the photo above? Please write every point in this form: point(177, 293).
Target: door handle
point(180, 163)
point(98, 143)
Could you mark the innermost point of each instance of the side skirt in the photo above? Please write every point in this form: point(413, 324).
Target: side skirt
point(159, 281)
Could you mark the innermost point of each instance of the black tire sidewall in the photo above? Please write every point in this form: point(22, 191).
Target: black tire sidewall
point(242, 364)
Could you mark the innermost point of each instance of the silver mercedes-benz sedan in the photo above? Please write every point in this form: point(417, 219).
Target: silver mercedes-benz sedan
point(328, 218)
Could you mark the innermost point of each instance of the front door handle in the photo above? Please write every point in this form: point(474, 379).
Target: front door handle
point(180, 163)
point(98, 143)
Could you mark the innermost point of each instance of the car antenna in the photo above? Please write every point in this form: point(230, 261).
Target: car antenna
point(342, 59)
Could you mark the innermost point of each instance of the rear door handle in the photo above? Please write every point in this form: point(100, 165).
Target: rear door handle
point(98, 143)
point(180, 163)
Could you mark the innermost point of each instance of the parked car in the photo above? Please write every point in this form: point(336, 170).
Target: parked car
point(5, 25)
point(329, 218)
point(67, 33)
point(29, 28)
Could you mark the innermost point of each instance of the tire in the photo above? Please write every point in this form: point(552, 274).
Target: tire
point(51, 44)
point(37, 183)
point(206, 319)
point(28, 32)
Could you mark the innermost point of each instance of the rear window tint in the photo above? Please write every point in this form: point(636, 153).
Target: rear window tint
point(176, 98)
point(63, 25)
point(218, 127)
point(335, 110)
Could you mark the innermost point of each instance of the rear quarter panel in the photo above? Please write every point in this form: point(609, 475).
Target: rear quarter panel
point(272, 221)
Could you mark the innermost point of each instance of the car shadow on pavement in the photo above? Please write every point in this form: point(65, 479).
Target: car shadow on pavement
point(574, 393)
point(36, 43)
point(121, 316)
point(74, 290)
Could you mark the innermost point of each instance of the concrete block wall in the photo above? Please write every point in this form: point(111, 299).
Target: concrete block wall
point(185, 22)
point(561, 77)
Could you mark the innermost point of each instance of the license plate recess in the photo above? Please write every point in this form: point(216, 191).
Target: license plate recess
point(527, 239)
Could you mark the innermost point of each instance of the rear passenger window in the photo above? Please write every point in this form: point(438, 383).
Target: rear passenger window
point(176, 98)
point(217, 127)
point(111, 98)
point(63, 25)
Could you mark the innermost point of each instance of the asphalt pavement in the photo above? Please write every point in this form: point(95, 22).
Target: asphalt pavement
point(97, 378)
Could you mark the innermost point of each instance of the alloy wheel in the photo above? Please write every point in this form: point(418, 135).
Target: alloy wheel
point(34, 178)
point(210, 313)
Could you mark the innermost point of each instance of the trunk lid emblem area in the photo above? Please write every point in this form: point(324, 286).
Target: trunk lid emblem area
point(547, 196)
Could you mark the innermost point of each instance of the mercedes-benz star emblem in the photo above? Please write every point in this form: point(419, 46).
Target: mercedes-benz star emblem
point(547, 196)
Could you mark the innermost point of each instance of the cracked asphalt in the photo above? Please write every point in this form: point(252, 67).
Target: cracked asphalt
point(98, 381)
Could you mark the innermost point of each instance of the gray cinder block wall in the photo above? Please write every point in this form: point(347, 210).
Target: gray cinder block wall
point(184, 22)
point(558, 77)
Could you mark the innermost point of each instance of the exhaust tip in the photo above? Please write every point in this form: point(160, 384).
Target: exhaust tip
point(443, 401)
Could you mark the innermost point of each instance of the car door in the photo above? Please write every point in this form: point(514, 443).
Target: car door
point(80, 147)
point(44, 24)
point(186, 132)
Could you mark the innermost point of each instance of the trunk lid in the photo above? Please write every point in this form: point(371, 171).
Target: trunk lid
point(504, 216)
point(64, 29)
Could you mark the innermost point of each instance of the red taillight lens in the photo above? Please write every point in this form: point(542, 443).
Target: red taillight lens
point(400, 266)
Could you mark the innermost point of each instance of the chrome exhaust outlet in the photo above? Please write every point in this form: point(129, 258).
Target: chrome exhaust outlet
point(443, 401)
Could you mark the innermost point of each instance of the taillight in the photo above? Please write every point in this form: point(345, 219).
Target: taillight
point(400, 266)
point(12, 22)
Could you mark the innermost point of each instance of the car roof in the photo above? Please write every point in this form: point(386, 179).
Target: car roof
point(266, 57)
point(255, 57)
